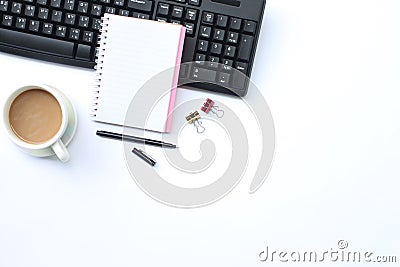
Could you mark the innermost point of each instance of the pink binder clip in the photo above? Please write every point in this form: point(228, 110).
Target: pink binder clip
point(209, 106)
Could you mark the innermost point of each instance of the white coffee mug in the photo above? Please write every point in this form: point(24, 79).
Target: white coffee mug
point(57, 144)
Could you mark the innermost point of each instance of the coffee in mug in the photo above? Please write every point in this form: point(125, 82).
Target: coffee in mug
point(35, 116)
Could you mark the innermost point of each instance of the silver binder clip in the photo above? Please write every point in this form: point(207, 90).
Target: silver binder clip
point(209, 105)
point(194, 118)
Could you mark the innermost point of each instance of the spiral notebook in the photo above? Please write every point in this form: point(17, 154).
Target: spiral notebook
point(132, 51)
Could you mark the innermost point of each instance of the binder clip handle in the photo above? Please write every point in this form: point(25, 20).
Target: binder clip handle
point(199, 127)
point(218, 112)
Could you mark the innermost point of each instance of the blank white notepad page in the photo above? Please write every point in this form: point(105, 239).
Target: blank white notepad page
point(135, 50)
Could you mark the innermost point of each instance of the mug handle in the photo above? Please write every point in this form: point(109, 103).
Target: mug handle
point(60, 150)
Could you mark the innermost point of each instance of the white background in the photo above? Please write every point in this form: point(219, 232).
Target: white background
point(329, 71)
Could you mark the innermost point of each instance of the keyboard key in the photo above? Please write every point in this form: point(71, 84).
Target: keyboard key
point(69, 4)
point(36, 43)
point(70, 19)
point(189, 28)
point(87, 36)
point(227, 64)
point(205, 75)
point(3, 5)
point(96, 10)
point(191, 15)
point(239, 80)
point(177, 12)
point(7, 20)
point(110, 10)
point(16, 8)
point(20, 23)
point(230, 51)
point(55, 3)
point(183, 72)
point(124, 12)
point(42, 2)
point(245, 47)
point(61, 31)
point(119, 2)
point(56, 16)
point(30, 10)
point(83, 7)
point(83, 21)
point(43, 13)
point(222, 21)
point(83, 52)
point(180, 1)
point(236, 24)
point(105, 1)
point(249, 26)
point(205, 32)
point(160, 19)
point(142, 5)
point(34, 25)
point(47, 28)
point(242, 67)
point(74, 34)
point(200, 58)
point(177, 22)
point(140, 15)
point(163, 9)
point(224, 78)
point(233, 37)
point(213, 62)
point(194, 2)
point(216, 48)
point(96, 24)
point(219, 35)
point(202, 46)
point(208, 18)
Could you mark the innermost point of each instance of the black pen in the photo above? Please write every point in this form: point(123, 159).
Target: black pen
point(141, 154)
point(134, 139)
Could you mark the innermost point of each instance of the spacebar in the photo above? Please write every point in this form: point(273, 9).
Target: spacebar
point(36, 43)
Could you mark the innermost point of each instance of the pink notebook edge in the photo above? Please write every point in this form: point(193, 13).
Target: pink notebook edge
point(171, 106)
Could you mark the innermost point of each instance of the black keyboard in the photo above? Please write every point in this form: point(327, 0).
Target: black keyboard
point(66, 31)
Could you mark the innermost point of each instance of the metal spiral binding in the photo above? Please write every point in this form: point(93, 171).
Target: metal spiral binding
point(100, 53)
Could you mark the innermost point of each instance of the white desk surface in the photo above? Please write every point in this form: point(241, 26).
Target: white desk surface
point(329, 71)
